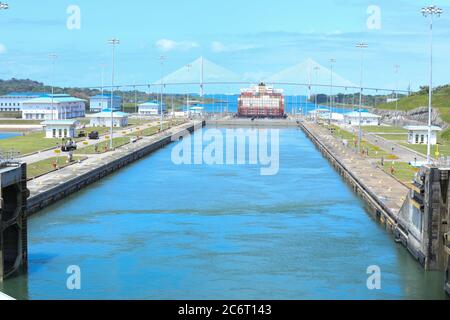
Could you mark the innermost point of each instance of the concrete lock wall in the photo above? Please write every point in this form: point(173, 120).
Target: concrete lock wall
point(13, 221)
point(422, 223)
point(425, 216)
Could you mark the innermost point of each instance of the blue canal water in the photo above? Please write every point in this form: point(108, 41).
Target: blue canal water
point(6, 135)
point(156, 230)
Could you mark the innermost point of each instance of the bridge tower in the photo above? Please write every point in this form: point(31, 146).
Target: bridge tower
point(13, 220)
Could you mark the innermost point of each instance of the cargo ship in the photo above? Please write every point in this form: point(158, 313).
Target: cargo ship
point(261, 101)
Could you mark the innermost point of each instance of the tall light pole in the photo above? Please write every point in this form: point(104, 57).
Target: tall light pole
point(161, 60)
point(430, 12)
point(396, 70)
point(188, 66)
point(332, 62)
point(53, 57)
point(361, 46)
point(103, 82)
point(316, 69)
point(112, 42)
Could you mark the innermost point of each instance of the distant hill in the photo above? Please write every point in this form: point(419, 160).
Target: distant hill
point(129, 97)
point(27, 85)
point(441, 101)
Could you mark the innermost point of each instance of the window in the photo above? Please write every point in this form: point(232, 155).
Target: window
point(417, 139)
point(65, 133)
point(60, 132)
point(422, 139)
point(54, 133)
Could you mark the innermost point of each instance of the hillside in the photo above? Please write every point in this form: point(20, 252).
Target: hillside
point(27, 85)
point(441, 101)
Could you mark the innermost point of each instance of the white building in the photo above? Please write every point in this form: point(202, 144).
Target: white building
point(60, 128)
point(320, 113)
point(62, 106)
point(103, 119)
point(103, 101)
point(196, 110)
point(13, 101)
point(419, 134)
point(150, 108)
point(367, 119)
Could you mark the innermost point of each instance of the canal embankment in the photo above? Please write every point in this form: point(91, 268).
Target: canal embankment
point(57, 185)
point(383, 194)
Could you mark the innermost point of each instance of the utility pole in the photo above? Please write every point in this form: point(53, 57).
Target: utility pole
point(430, 12)
point(396, 70)
point(332, 61)
point(112, 42)
point(316, 69)
point(188, 66)
point(53, 58)
point(161, 59)
point(360, 46)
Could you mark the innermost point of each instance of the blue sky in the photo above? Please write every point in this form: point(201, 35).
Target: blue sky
point(252, 38)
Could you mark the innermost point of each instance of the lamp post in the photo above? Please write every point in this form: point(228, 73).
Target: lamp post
point(112, 42)
point(332, 61)
point(316, 69)
point(188, 66)
point(360, 46)
point(102, 66)
point(430, 12)
point(161, 60)
point(52, 57)
point(396, 70)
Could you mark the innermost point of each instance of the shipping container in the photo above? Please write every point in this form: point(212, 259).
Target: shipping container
point(261, 101)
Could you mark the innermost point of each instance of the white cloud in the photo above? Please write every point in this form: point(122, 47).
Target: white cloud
point(2, 48)
point(218, 47)
point(166, 45)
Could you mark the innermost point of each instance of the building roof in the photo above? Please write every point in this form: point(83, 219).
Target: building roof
point(149, 104)
point(363, 114)
point(107, 114)
point(56, 99)
point(23, 95)
point(60, 122)
point(105, 96)
point(422, 128)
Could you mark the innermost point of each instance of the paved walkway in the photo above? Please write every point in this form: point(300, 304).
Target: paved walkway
point(403, 154)
point(388, 190)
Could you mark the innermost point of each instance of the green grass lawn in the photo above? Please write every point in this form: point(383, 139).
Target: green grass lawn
point(20, 121)
point(384, 129)
point(395, 137)
point(44, 166)
point(444, 149)
point(146, 131)
point(374, 151)
point(29, 143)
point(402, 170)
point(117, 142)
